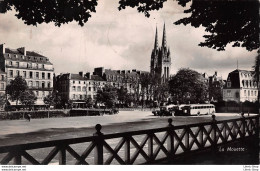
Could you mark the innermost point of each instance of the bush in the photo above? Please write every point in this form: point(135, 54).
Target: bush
point(14, 115)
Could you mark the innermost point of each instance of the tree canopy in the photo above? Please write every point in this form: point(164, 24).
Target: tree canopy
point(108, 96)
point(16, 88)
point(188, 86)
point(235, 22)
point(28, 98)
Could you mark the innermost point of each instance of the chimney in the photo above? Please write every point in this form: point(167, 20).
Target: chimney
point(87, 75)
point(216, 73)
point(133, 70)
point(22, 50)
point(118, 71)
point(81, 73)
point(123, 71)
point(2, 48)
point(128, 71)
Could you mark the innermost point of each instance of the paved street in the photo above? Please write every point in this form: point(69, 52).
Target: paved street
point(22, 131)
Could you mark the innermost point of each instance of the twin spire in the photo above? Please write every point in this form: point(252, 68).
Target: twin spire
point(164, 42)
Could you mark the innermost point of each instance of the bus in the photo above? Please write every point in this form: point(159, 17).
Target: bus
point(198, 109)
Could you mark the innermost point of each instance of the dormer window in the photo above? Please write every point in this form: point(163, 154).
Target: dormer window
point(229, 84)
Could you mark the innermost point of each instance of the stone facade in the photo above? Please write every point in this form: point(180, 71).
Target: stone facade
point(161, 58)
point(36, 69)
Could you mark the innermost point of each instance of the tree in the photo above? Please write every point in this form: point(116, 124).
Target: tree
point(122, 95)
point(52, 99)
point(16, 88)
point(188, 86)
point(226, 21)
point(89, 102)
point(215, 91)
point(108, 96)
point(28, 98)
point(256, 74)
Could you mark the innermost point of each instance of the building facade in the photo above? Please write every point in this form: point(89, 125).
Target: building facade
point(78, 87)
point(36, 69)
point(240, 87)
point(161, 58)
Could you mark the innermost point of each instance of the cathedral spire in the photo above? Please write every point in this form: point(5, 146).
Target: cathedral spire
point(156, 46)
point(164, 43)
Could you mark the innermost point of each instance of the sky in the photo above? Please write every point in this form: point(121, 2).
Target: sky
point(122, 40)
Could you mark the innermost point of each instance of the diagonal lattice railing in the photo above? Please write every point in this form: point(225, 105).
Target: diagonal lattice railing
point(136, 147)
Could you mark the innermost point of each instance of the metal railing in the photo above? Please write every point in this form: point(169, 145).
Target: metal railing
point(135, 147)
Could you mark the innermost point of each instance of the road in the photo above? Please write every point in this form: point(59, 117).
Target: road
point(38, 130)
point(22, 131)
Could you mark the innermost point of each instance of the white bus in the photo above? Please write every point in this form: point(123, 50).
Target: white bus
point(198, 109)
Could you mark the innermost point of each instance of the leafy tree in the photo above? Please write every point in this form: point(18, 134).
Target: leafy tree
point(188, 86)
point(16, 88)
point(215, 91)
point(28, 98)
point(226, 21)
point(256, 73)
point(89, 102)
point(52, 99)
point(2, 100)
point(108, 96)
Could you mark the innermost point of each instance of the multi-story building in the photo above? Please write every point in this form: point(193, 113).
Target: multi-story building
point(36, 69)
point(215, 84)
point(240, 87)
point(161, 58)
point(121, 78)
point(78, 87)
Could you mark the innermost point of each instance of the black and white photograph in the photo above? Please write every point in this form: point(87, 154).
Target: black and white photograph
point(168, 83)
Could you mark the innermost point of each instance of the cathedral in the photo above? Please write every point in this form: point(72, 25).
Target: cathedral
point(161, 58)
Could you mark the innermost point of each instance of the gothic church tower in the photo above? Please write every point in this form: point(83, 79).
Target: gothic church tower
point(161, 58)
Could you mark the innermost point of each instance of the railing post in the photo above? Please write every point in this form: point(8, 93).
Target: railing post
point(186, 138)
point(150, 147)
point(127, 150)
point(62, 156)
point(170, 139)
point(201, 137)
point(99, 142)
point(18, 158)
point(213, 132)
point(243, 125)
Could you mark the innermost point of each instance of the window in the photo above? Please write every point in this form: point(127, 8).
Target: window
point(229, 84)
point(94, 88)
point(17, 72)
point(248, 93)
point(37, 93)
point(11, 73)
point(49, 84)
point(84, 88)
point(37, 66)
point(49, 75)
point(24, 74)
point(244, 92)
point(2, 77)
point(37, 74)
point(43, 75)
point(30, 83)
point(89, 89)
point(252, 93)
point(2, 86)
point(29, 65)
point(37, 84)
point(80, 97)
point(42, 65)
point(10, 63)
point(43, 84)
point(17, 64)
point(43, 93)
point(73, 88)
point(31, 74)
point(229, 93)
point(73, 82)
point(73, 96)
point(79, 82)
point(255, 93)
point(79, 88)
